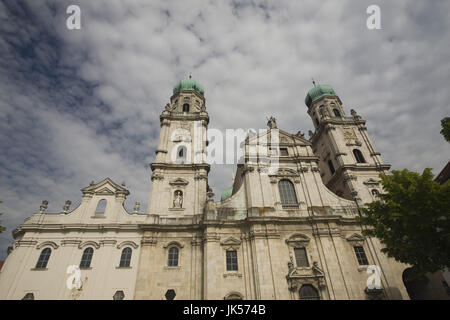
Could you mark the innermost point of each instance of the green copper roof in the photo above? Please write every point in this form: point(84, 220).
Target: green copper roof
point(318, 92)
point(189, 85)
point(226, 194)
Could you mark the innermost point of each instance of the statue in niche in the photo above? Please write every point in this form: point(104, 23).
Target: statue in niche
point(178, 200)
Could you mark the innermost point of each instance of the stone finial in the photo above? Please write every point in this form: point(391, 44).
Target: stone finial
point(272, 122)
point(123, 184)
point(300, 134)
point(92, 183)
point(137, 206)
point(310, 133)
point(43, 206)
point(168, 107)
point(354, 114)
point(67, 206)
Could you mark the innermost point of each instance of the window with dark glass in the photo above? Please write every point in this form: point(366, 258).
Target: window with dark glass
point(308, 292)
point(173, 257)
point(125, 258)
point(330, 164)
point(232, 263)
point(185, 107)
point(300, 257)
point(361, 255)
point(287, 193)
point(284, 152)
point(86, 258)
point(43, 258)
point(358, 156)
point(336, 112)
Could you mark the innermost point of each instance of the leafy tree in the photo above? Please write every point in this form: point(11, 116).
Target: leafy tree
point(412, 220)
point(445, 123)
point(1, 228)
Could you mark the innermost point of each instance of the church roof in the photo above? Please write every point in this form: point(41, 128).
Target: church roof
point(189, 85)
point(318, 92)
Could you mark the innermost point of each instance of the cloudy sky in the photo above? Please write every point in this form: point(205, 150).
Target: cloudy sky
point(82, 105)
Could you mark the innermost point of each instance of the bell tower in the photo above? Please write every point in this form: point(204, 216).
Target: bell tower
point(180, 172)
point(349, 164)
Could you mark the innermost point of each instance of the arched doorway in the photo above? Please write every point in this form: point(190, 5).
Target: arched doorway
point(416, 287)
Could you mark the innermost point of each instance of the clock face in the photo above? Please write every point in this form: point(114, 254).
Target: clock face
point(349, 134)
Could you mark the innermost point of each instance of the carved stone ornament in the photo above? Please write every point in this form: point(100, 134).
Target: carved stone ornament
point(43, 206)
point(297, 277)
point(298, 240)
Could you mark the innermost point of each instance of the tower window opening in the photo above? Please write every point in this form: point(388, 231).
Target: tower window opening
point(186, 107)
point(173, 257)
point(336, 113)
point(308, 292)
point(287, 193)
point(181, 154)
point(358, 156)
point(317, 121)
point(330, 164)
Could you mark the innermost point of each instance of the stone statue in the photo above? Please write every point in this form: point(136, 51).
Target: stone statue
point(168, 107)
point(67, 206)
point(123, 184)
point(92, 183)
point(43, 206)
point(178, 201)
point(310, 133)
point(271, 122)
point(137, 206)
point(300, 134)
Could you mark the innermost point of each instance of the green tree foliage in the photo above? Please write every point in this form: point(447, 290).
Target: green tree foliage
point(411, 220)
point(1, 228)
point(445, 123)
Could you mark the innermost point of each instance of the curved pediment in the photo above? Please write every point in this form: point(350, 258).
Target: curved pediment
point(298, 239)
point(127, 243)
point(178, 182)
point(47, 244)
point(89, 243)
point(355, 237)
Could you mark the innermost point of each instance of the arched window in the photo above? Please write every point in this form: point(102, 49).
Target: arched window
point(43, 258)
point(173, 257)
point(287, 193)
point(336, 113)
point(125, 258)
point(317, 121)
point(330, 164)
point(86, 258)
point(101, 206)
point(186, 107)
point(358, 156)
point(181, 154)
point(308, 292)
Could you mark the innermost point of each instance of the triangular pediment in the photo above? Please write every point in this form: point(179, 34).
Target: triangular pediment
point(283, 138)
point(231, 241)
point(105, 187)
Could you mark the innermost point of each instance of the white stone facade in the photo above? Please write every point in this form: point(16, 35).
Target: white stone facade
point(254, 223)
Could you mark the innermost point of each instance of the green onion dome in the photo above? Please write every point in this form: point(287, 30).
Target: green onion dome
point(189, 85)
point(318, 92)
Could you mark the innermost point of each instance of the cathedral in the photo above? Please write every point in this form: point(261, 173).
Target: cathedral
point(286, 229)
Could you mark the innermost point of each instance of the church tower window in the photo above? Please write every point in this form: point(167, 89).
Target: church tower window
point(101, 207)
point(330, 164)
point(43, 258)
point(287, 193)
point(336, 113)
point(358, 156)
point(86, 258)
point(173, 257)
point(186, 107)
point(125, 258)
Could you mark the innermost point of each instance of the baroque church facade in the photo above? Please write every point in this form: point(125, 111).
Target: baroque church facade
point(286, 233)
